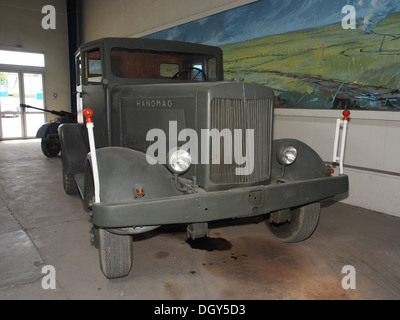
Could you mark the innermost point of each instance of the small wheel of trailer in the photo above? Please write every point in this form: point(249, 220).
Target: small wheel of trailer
point(115, 252)
point(300, 226)
point(50, 147)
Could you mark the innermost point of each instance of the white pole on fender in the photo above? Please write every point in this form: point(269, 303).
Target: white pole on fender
point(339, 124)
point(88, 113)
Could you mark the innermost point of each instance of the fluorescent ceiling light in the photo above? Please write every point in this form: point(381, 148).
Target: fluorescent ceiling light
point(18, 58)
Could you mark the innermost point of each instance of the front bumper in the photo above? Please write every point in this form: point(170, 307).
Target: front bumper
point(219, 205)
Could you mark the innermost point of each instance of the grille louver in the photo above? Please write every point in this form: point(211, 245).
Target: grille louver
point(239, 114)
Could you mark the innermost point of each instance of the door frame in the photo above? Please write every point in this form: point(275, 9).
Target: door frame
point(21, 70)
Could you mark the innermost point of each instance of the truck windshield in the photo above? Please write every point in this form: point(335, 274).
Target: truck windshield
point(138, 63)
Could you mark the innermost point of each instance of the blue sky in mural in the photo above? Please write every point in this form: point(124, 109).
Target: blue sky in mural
point(268, 17)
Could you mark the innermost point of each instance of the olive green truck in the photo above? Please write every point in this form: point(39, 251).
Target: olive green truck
point(170, 142)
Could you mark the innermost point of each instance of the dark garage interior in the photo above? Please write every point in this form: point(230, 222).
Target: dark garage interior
point(309, 71)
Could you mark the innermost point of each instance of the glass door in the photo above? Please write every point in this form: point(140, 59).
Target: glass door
point(10, 99)
point(33, 96)
point(16, 88)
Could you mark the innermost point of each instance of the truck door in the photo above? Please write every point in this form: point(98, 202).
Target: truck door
point(91, 93)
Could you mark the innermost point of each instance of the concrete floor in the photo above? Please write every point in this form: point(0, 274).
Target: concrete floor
point(41, 225)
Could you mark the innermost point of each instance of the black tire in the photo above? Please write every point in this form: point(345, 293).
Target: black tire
point(302, 224)
point(69, 184)
point(115, 252)
point(88, 193)
point(95, 239)
point(50, 148)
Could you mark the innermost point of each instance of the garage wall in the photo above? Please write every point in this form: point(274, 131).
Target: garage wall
point(372, 151)
point(21, 25)
point(373, 148)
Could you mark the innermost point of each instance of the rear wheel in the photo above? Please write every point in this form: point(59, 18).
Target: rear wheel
point(115, 253)
point(301, 225)
point(88, 193)
point(69, 184)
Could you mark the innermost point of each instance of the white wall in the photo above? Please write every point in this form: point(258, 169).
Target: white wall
point(21, 24)
point(372, 158)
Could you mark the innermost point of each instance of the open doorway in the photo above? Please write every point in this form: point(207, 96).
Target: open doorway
point(21, 81)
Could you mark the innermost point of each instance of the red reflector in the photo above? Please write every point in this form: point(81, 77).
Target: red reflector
point(139, 190)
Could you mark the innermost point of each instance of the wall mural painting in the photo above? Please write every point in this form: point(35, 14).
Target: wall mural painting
point(314, 53)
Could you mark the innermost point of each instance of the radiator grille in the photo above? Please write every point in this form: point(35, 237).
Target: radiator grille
point(242, 114)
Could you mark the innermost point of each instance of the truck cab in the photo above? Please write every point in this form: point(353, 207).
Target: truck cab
point(105, 64)
point(171, 142)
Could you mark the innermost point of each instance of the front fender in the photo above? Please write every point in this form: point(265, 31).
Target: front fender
point(308, 164)
point(74, 147)
point(121, 170)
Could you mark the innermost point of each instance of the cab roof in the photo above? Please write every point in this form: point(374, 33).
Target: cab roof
point(151, 44)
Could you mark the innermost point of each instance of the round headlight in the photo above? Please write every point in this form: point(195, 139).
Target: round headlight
point(179, 161)
point(287, 155)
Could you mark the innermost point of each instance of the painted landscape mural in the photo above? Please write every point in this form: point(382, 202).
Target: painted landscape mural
point(313, 53)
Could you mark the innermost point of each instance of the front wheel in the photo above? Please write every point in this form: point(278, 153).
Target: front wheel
point(115, 253)
point(301, 225)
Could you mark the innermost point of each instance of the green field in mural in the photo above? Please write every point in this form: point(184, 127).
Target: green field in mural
point(328, 67)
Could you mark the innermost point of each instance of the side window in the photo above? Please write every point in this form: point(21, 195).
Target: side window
point(212, 68)
point(196, 72)
point(78, 64)
point(93, 67)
